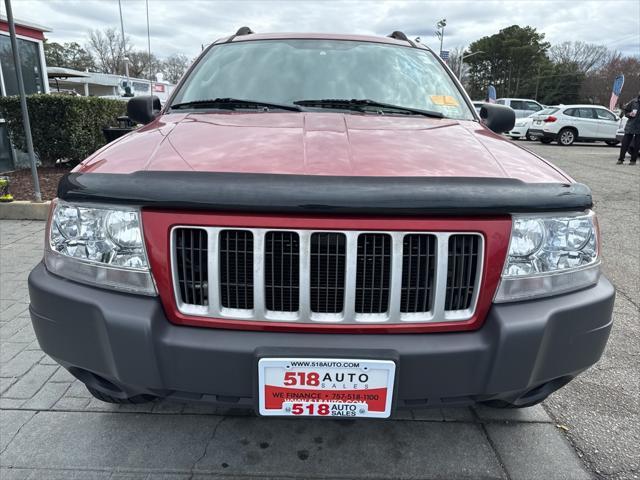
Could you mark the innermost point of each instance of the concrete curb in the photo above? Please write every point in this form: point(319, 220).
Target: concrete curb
point(24, 210)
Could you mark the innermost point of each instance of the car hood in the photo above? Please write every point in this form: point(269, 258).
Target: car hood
point(312, 143)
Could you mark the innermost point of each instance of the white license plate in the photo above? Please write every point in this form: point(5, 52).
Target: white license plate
point(325, 387)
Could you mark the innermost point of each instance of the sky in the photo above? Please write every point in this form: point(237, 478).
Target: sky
point(183, 26)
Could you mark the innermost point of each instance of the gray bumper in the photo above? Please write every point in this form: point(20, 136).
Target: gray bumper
point(523, 349)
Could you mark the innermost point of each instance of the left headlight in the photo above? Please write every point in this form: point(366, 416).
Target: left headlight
point(99, 245)
point(549, 255)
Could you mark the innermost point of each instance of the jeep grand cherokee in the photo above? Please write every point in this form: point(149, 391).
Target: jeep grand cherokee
point(321, 225)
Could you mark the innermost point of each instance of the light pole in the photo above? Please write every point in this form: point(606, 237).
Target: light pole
point(462, 62)
point(23, 101)
point(440, 32)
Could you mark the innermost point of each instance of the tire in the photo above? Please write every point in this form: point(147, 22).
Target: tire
point(122, 401)
point(612, 143)
point(546, 140)
point(529, 137)
point(566, 137)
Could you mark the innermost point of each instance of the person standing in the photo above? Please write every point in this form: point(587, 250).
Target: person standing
point(631, 131)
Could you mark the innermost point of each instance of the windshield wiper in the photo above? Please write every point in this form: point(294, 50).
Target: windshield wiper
point(232, 103)
point(363, 104)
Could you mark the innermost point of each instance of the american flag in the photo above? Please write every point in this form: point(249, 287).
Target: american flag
point(615, 93)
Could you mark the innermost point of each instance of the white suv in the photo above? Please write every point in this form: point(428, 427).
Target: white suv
point(522, 126)
point(522, 106)
point(576, 122)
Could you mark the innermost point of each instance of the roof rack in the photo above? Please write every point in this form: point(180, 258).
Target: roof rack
point(398, 35)
point(241, 31)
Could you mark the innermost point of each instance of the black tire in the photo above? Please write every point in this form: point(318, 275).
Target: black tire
point(612, 143)
point(566, 137)
point(529, 137)
point(546, 140)
point(122, 401)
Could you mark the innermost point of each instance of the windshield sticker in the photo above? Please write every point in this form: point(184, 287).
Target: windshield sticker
point(444, 100)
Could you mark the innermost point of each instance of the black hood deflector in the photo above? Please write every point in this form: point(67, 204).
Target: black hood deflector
point(310, 194)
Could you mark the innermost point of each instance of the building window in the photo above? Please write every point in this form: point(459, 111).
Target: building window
point(30, 62)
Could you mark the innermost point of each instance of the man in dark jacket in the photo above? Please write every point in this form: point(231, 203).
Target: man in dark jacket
point(631, 131)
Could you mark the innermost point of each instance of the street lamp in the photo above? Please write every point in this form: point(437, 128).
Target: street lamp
point(440, 31)
point(462, 62)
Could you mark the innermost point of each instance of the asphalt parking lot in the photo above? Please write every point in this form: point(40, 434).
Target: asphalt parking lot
point(51, 428)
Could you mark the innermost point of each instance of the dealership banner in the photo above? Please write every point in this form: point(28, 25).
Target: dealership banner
point(491, 94)
point(617, 89)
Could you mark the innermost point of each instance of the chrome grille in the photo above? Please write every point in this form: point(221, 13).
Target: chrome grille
point(418, 273)
point(236, 269)
point(461, 274)
point(282, 271)
point(192, 263)
point(327, 265)
point(373, 273)
point(348, 277)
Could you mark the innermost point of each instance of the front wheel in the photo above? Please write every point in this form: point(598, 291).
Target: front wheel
point(546, 140)
point(566, 137)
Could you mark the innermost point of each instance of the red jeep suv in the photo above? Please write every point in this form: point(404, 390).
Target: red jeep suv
point(321, 225)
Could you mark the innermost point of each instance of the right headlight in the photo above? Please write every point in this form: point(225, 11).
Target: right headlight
point(99, 245)
point(549, 255)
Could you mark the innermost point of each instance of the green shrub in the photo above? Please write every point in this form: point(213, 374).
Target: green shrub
point(62, 127)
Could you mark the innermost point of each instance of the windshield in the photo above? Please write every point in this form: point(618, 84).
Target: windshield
point(286, 71)
point(546, 111)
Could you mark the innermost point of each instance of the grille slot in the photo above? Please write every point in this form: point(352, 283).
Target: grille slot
point(282, 271)
point(327, 259)
point(418, 273)
point(192, 265)
point(373, 273)
point(462, 270)
point(236, 269)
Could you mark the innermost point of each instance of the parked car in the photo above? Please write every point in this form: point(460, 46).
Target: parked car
point(522, 125)
point(576, 122)
point(522, 106)
point(620, 131)
point(477, 105)
point(293, 233)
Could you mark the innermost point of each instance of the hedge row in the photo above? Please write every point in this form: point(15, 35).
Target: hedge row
point(63, 127)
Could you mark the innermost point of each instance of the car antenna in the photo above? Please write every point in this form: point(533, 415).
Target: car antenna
point(398, 35)
point(241, 31)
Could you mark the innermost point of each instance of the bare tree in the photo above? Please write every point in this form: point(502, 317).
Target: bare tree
point(585, 56)
point(597, 85)
point(455, 57)
point(174, 67)
point(109, 50)
point(141, 67)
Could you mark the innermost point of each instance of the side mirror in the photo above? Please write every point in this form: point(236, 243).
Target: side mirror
point(143, 109)
point(498, 118)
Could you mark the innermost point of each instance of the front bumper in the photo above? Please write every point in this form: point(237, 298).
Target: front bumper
point(123, 345)
point(518, 132)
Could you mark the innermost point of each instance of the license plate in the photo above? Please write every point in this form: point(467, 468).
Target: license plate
point(325, 387)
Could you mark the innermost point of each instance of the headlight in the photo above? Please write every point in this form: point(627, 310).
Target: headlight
point(549, 255)
point(99, 245)
point(519, 124)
